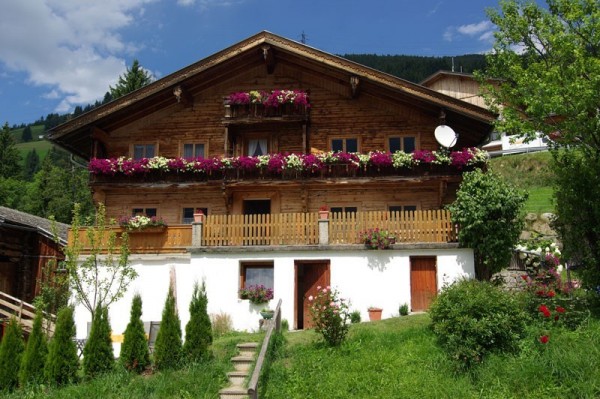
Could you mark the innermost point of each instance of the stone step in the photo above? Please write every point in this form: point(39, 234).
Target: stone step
point(237, 378)
point(247, 348)
point(242, 363)
point(233, 393)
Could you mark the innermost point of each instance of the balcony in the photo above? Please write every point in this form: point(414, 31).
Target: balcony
point(288, 229)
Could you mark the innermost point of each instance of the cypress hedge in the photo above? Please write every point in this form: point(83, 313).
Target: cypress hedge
point(11, 350)
point(134, 351)
point(168, 347)
point(98, 355)
point(32, 363)
point(62, 362)
point(198, 331)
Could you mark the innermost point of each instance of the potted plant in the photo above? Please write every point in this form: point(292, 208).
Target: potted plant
point(267, 313)
point(374, 313)
point(323, 213)
point(377, 239)
point(198, 215)
point(141, 222)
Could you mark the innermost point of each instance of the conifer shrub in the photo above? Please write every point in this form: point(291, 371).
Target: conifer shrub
point(11, 350)
point(168, 347)
point(98, 355)
point(62, 362)
point(32, 363)
point(473, 318)
point(134, 350)
point(198, 331)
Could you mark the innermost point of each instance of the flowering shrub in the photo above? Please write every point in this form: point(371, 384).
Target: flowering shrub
point(330, 315)
point(257, 294)
point(278, 163)
point(473, 318)
point(140, 222)
point(272, 99)
point(538, 254)
point(377, 239)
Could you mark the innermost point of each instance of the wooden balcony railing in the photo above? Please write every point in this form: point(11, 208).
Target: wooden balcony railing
point(273, 229)
point(431, 226)
point(171, 239)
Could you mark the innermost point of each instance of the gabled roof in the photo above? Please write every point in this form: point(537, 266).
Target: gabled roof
point(13, 218)
point(75, 135)
point(442, 74)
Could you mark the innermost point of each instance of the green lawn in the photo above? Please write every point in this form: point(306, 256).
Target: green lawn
point(394, 358)
point(41, 147)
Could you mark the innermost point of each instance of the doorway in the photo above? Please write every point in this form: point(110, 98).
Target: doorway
point(308, 275)
point(423, 282)
point(257, 207)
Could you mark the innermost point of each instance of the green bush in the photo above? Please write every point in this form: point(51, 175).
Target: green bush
point(473, 318)
point(168, 347)
point(98, 355)
point(355, 316)
point(62, 362)
point(11, 351)
point(198, 331)
point(32, 364)
point(330, 315)
point(134, 351)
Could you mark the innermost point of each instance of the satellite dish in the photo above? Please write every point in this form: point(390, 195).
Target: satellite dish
point(446, 136)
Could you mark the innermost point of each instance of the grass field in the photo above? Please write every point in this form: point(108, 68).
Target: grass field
point(393, 358)
point(41, 147)
point(530, 172)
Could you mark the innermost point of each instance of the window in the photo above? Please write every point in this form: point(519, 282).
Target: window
point(257, 147)
point(402, 208)
point(143, 151)
point(193, 150)
point(344, 145)
point(344, 209)
point(407, 144)
point(256, 274)
point(187, 216)
point(143, 212)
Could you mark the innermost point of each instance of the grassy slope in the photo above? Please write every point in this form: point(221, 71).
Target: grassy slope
point(529, 172)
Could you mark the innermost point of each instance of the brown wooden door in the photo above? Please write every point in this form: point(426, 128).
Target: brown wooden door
point(423, 284)
point(309, 276)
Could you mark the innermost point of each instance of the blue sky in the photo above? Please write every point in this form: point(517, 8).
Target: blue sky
point(56, 54)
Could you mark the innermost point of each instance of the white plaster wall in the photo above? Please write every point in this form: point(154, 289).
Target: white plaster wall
point(366, 278)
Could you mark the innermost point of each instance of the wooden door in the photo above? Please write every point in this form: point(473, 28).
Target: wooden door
point(423, 282)
point(309, 276)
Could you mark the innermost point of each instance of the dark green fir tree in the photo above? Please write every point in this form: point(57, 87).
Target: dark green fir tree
point(62, 362)
point(134, 351)
point(11, 350)
point(98, 355)
point(198, 331)
point(168, 347)
point(32, 364)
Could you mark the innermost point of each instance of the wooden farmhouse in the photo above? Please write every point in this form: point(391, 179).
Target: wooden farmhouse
point(286, 156)
point(30, 249)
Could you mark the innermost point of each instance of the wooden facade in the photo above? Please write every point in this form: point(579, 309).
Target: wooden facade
point(347, 102)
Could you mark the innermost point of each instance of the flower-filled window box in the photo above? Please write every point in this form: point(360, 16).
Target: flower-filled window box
point(260, 103)
point(377, 239)
point(257, 294)
point(142, 223)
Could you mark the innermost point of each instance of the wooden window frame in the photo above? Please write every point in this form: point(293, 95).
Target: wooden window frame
point(403, 205)
point(245, 265)
point(145, 143)
point(257, 136)
point(194, 143)
point(344, 206)
point(344, 138)
point(183, 208)
point(401, 136)
point(145, 210)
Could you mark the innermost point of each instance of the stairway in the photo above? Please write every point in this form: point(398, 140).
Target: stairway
point(242, 363)
point(24, 313)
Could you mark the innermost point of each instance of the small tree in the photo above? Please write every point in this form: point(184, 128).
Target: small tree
point(134, 351)
point(134, 78)
point(98, 355)
point(26, 135)
point(488, 211)
point(168, 347)
point(10, 158)
point(32, 364)
point(104, 275)
point(198, 331)
point(62, 362)
point(11, 351)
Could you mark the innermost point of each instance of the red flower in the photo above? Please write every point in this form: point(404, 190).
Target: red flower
point(560, 309)
point(543, 309)
point(544, 339)
point(540, 293)
point(524, 277)
point(547, 313)
point(550, 294)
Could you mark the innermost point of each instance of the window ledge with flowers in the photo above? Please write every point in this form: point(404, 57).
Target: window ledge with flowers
point(377, 239)
point(259, 104)
point(256, 294)
point(142, 223)
point(290, 166)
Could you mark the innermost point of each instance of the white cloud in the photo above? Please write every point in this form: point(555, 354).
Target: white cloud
point(72, 46)
point(484, 31)
point(435, 9)
point(186, 3)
